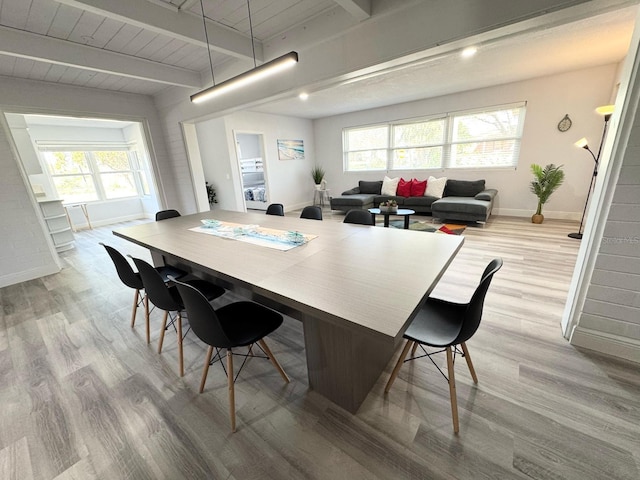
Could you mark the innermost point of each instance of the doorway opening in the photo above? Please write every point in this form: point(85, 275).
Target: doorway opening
point(253, 175)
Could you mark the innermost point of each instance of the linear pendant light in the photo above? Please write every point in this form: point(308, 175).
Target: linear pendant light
point(258, 73)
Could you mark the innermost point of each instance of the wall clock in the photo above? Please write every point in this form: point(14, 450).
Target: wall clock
point(565, 123)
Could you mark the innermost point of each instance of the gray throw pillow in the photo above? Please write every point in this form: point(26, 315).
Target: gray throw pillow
point(463, 188)
point(370, 187)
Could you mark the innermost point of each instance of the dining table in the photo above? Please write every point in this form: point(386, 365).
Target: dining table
point(355, 288)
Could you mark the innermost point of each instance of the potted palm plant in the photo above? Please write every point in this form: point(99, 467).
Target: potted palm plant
point(317, 173)
point(547, 180)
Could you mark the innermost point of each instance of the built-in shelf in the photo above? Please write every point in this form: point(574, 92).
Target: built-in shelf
point(57, 223)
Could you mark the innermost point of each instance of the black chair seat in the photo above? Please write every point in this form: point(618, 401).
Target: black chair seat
point(358, 217)
point(210, 290)
point(275, 209)
point(311, 213)
point(165, 214)
point(437, 324)
point(238, 320)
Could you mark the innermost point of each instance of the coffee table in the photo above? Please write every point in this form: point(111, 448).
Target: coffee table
point(401, 212)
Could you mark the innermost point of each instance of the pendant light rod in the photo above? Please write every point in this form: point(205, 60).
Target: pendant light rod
point(206, 38)
point(253, 43)
point(265, 70)
point(257, 73)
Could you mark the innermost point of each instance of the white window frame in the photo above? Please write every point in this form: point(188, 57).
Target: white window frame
point(447, 145)
point(94, 170)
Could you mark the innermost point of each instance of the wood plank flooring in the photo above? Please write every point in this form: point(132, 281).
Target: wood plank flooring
point(84, 397)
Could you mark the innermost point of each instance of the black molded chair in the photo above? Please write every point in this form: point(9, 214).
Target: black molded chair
point(276, 209)
point(360, 217)
point(445, 325)
point(311, 212)
point(238, 324)
point(167, 298)
point(132, 280)
point(164, 214)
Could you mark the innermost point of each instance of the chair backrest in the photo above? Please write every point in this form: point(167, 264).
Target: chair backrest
point(360, 217)
point(155, 288)
point(311, 212)
point(473, 314)
point(276, 209)
point(202, 317)
point(125, 271)
point(164, 214)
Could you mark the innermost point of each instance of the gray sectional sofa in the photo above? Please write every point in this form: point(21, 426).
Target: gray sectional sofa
point(462, 200)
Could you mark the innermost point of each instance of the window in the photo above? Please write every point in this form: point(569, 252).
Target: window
point(83, 176)
point(478, 139)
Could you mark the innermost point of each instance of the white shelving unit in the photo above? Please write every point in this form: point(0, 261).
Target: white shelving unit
point(57, 224)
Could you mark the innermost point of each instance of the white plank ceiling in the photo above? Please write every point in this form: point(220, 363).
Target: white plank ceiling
point(145, 46)
point(50, 40)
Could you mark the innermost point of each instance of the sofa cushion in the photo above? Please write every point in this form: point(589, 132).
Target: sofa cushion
point(435, 187)
point(463, 188)
point(464, 205)
point(358, 200)
point(419, 201)
point(372, 188)
point(383, 198)
point(418, 187)
point(404, 188)
point(389, 185)
point(489, 194)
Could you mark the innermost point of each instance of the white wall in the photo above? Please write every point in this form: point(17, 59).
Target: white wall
point(23, 244)
point(548, 100)
point(289, 181)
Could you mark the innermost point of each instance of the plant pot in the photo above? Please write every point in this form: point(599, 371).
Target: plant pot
point(537, 218)
point(318, 186)
point(388, 209)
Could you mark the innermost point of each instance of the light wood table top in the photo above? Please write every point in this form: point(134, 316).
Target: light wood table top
point(371, 277)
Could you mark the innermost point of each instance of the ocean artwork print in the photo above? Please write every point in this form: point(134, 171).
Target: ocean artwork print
point(290, 150)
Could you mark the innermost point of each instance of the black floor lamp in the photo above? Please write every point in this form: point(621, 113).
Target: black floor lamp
point(607, 110)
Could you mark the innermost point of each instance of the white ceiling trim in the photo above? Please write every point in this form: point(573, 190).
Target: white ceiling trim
point(358, 9)
point(180, 25)
point(47, 49)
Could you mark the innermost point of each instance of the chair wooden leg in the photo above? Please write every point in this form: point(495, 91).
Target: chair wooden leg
point(469, 363)
point(180, 354)
point(396, 369)
point(162, 330)
point(136, 297)
point(452, 390)
point(205, 370)
point(413, 350)
point(146, 316)
point(266, 349)
point(232, 396)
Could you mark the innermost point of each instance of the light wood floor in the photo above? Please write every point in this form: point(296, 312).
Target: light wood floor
point(83, 396)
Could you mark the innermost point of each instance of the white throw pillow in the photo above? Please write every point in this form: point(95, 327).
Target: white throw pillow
point(435, 187)
point(389, 186)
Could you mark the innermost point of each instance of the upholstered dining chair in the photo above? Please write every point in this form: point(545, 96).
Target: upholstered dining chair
point(357, 216)
point(166, 297)
point(445, 326)
point(132, 280)
point(276, 209)
point(237, 324)
point(164, 214)
point(311, 212)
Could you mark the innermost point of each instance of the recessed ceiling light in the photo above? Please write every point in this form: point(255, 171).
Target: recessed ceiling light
point(303, 96)
point(469, 52)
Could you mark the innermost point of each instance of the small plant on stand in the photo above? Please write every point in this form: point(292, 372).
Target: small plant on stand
point(317, 173)
point(547, 180)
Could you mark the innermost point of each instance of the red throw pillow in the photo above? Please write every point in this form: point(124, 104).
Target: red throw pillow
point(418, 187)
point(404, 188)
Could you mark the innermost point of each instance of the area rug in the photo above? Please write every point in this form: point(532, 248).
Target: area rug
point(420, 226)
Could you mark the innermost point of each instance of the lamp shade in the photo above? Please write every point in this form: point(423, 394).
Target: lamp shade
point(582, 143)
point(605, 109)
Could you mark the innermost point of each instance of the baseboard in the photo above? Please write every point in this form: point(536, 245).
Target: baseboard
point(614, 345)
point(512, 212)
point(110, 221)
point(26, 275)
